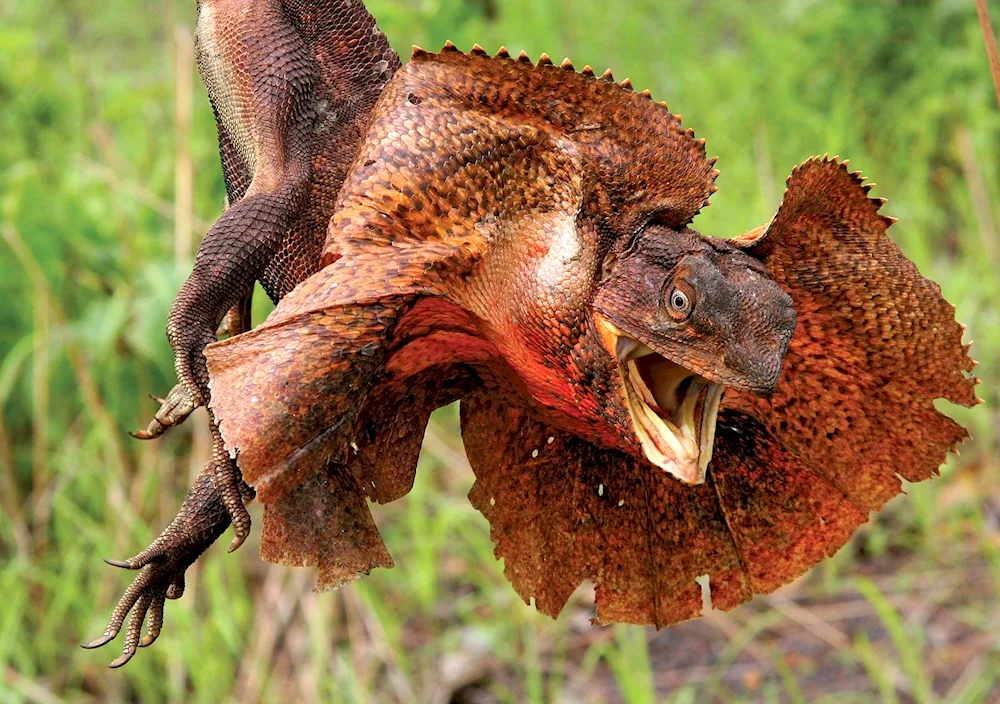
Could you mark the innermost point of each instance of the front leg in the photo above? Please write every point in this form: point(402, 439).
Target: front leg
point(231, 258)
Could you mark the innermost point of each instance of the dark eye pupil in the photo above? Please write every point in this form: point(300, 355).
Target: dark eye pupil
point(679, 301)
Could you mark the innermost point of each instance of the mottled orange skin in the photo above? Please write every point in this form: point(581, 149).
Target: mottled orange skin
point(421, 235)
point(794, 473)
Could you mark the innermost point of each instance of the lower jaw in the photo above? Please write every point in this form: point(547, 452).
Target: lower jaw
point(683, 448)
point(681, 442)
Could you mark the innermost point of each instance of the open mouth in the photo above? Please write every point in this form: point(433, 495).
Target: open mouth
point(673, 409)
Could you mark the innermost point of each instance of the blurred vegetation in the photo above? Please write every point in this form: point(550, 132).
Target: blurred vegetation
point(93, 217)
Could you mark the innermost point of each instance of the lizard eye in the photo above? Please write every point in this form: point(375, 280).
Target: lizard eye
point(679, 303)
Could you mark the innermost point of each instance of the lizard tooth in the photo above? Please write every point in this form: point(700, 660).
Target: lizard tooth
point(503, 53)
point(588, 71)
point(567, 65)
point(449, 46)
point(524, 58)
point(608, 76)
point(544, 60)
point(627, 84)
point(478, 50)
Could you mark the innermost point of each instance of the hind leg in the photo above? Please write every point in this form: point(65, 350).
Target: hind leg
point(203, 517)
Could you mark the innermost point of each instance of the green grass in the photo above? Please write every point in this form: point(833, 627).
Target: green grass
point(88, 152)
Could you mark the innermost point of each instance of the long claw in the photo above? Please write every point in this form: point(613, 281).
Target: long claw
point(174, 409)
point(149, 433)
point(154, 553)
point(120, 660)
point(236, 542)
point(98, 642)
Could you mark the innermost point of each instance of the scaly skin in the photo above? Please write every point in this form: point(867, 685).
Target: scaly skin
point(504, 228)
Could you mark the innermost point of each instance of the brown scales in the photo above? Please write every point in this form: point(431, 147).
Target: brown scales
point(467, 253)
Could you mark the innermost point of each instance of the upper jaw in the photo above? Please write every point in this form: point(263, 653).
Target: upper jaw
point(673, 410)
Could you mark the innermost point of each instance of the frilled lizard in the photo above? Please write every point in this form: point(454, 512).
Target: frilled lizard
point(641, 404)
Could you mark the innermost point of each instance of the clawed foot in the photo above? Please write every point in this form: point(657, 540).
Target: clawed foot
point(146, 596)
point(174, 409)
point(202, 519)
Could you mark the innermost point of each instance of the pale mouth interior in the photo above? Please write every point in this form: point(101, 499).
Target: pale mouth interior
point(673, 410)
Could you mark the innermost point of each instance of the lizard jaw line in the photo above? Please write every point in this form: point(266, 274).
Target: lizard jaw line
point(674, 420)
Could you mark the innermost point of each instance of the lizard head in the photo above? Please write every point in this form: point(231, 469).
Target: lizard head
point(684, 317)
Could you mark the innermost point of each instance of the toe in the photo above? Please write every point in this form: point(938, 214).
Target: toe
point(236, 542)
point(155, 621)
point(176, 588)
